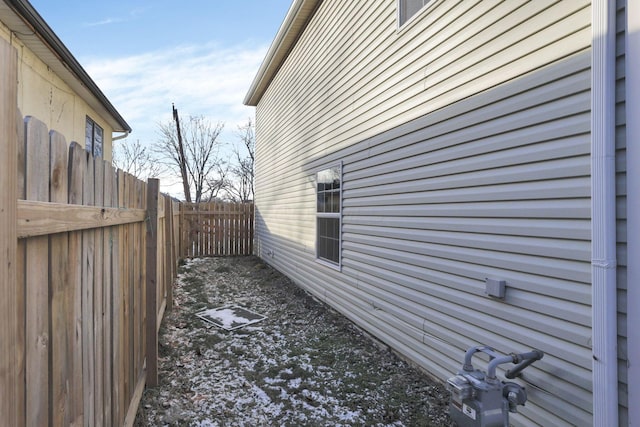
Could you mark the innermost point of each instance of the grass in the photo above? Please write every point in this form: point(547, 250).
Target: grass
point(304, 365)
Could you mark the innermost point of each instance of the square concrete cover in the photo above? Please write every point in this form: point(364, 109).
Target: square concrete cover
point(230, 317)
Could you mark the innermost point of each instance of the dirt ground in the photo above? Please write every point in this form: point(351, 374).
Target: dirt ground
point(304, 364)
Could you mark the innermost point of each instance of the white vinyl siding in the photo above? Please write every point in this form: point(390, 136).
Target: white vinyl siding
point(465, 147)
point(621, 212)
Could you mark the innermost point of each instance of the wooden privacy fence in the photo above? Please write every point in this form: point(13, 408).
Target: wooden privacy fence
point(88, 256)
point(216, 229)
point(90, 260)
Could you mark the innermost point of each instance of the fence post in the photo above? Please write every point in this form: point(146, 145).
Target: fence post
point(151, 285)
point(183, 232)
point(11, 387)
point(168, 248)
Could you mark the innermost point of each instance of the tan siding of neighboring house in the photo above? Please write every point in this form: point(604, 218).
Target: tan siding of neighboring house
point(621, 213)
point(43, 94)
point(456, 167)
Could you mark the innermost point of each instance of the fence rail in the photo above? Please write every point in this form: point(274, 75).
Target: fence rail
point(216, 229)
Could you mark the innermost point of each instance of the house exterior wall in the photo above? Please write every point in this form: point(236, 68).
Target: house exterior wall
point(43, 94)
point(456, 167)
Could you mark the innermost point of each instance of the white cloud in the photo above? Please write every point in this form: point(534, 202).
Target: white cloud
point(106, 21)
point(209, 80)
point(133, 13)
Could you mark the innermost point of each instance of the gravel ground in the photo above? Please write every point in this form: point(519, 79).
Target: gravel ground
point(304, 365)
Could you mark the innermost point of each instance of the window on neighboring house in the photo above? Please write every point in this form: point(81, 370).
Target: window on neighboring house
point(408, 8)
point(329, 206)
point(93, 138)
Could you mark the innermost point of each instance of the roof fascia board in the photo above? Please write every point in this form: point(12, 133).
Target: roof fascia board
point(294, 24)
point(67, 65)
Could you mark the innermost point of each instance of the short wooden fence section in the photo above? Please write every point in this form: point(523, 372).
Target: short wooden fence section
point(216, 229)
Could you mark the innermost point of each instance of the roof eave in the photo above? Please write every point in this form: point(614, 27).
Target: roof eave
point(64, 63)
point(298, 16)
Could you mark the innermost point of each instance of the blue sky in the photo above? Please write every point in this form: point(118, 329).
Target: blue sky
point(146, 54)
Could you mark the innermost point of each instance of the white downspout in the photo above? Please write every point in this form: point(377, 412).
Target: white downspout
point(124, 135)
point(603, 215)
point(632, 74)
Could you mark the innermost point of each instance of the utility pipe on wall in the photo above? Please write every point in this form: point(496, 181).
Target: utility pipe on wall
point(603, 215)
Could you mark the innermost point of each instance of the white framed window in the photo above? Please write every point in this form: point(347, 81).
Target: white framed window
point(329, 215)
point(408, 8)
point(93, 137)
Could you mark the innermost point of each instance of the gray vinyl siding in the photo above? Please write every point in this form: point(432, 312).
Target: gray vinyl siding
point(621, 212)
point(464, 139)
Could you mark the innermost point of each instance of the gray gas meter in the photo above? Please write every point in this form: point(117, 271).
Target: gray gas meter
point(481, 400)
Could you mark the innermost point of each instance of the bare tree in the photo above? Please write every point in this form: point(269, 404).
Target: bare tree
point(240, 187)
point(135, 159)
point(198, 159)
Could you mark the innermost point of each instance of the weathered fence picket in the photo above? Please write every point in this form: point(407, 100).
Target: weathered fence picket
point(76, 165)
point(12, 302)
point(62, 325)
point(36, 279)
